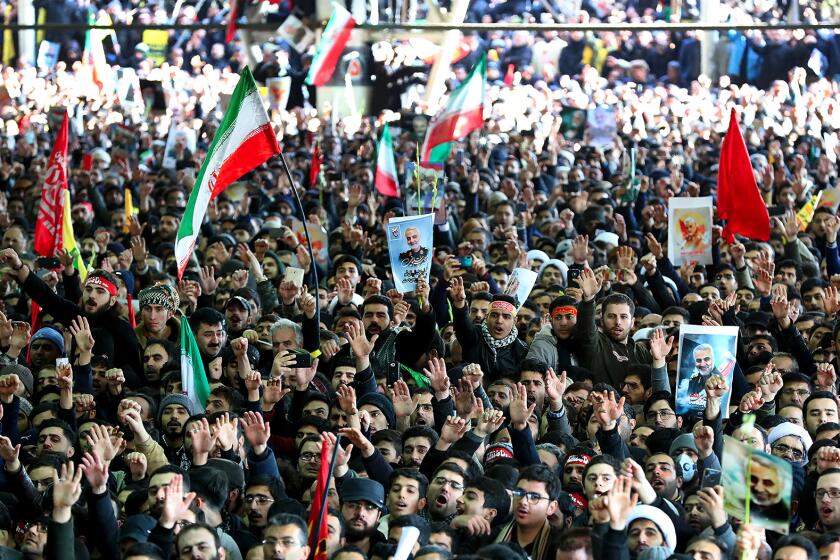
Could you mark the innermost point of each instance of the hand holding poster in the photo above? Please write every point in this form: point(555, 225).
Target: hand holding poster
point(765, 480)
point(424, 187)
point(520, 285)
point(602, 126)
point(410, 249)
point(703, 353)
point(690, 230)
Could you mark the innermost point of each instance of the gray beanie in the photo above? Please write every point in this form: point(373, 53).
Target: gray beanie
point(26, 408)
point(683, 441)
point(179, 399)
point(381, 402)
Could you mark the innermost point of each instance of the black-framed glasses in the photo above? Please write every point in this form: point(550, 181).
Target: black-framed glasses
point(531, 497)
point(783, 449)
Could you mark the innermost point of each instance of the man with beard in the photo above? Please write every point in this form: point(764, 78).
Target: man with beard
point(423, 414)
point(260, 493)
point(665, 476)
point(160, 479)
point(704, 368)
point(98, 305)
point(377, 315)
point(495, 344)
point(362, 502)
point(55, 437)
point(237, 311)
point(285, 538)
point(158, 309)
point(554, 344)
point(173, 413)
point(158, 355)
point(45, 346)
point(446, 486)
point(416, 442)
point(573, 470)
point(480, 306)
point(608, 352)
point(210, 335)
point(199, 541)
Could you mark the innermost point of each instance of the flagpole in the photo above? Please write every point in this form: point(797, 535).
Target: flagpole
point(322, 507)
point(309, 246)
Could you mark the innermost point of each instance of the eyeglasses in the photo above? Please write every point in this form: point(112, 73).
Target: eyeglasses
point(832, 493)
point(261, 500)
point(783, 449)
point(310, 457)
point(663, 414)
point(286, 542)
point(531, 497)
point(441, 481)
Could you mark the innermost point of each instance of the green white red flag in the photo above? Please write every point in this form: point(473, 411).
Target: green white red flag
point(193, 378)
point(335, 37)
point(386, 165)
point(464, 112)
point(244, 140)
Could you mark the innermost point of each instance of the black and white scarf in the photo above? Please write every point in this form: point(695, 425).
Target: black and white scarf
point(496, 343)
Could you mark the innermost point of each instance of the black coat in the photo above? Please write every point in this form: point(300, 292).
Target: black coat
point(475, 349)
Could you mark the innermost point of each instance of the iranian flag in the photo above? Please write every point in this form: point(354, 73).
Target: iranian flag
point(386, 166)
point(464, 112)
point(48, 233)
point(193, 379)
point(244, 140)
point(335, 37)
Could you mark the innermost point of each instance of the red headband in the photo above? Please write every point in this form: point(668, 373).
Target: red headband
point(581, 460)
point(563, 310)
point(503, 306)
point(102, 283)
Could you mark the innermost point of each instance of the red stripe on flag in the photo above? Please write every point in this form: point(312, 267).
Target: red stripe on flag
point(327, 68)
point(454, 128)
point(385, 184)
point(234, 14)
point(315, 168)
point(255, 150)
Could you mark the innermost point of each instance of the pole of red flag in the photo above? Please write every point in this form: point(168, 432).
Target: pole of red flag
point(322, 507)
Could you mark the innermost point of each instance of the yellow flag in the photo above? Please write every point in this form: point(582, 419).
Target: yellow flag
point(70, 239)
point(8, 41)
point(129, 210)
point(806, 214)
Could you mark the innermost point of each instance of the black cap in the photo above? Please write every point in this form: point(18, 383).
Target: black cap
point(363, 489)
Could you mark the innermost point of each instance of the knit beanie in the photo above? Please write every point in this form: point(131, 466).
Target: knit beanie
point(23, 373)
point(160, 294)
point(683, 441)
point(381, 402)
point(51, 334)
point(180, 400)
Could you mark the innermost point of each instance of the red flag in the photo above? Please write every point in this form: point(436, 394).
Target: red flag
point(48, 236)
point(315, 168)
point(739, 200)
point(318, 535)
point(232, 17)
point(509, 75)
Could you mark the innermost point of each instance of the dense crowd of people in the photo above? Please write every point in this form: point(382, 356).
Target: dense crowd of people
point(546, 431)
